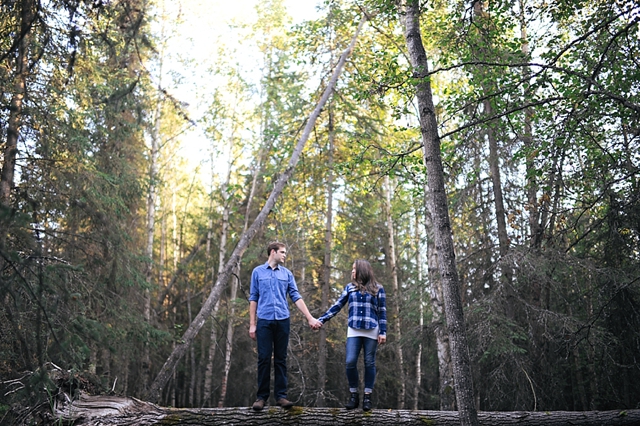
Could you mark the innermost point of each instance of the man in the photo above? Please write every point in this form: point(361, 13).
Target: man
point(269, 322)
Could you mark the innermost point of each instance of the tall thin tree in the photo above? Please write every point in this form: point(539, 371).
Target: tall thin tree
point(437, 203)
point(392, 267)
point(326, 265)
point(27, 20)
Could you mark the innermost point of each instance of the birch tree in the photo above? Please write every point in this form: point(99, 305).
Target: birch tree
point(438, 206)
point(326, 265)
point(391, 264)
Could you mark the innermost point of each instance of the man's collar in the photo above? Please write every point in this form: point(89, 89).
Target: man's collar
point(274, 269)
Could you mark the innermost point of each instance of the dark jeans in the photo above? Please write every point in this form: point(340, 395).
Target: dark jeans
point(273, 338)
point(354, 344)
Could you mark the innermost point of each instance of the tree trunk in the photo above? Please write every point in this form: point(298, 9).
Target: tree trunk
point(535, 226)
point(395, 306)
point(221, 255)
point(229, 342)
point(174, 231)
point(14, 122)
point(223, 276)
point(418, 383)
point(498, 199)
point(213, 342)
point(326, 269)
point(483, 53)
point(162, 261)
point(112, 410)
point(192, 356)
point(234, 286)
point(213, 337)
point(445, 368)
point(439, 211)
point(152, 194)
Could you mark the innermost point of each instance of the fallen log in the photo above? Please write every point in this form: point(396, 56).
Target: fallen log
point(104, 410)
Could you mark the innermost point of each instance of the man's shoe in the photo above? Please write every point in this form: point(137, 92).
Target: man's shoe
point(284, 403)
point(366, 402)
point(353, 402)
point(258, 405)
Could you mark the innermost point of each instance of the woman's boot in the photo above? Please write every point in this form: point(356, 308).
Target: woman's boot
point(353, 402)
point(366, 402)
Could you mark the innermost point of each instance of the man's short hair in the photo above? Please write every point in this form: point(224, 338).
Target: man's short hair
point(276, 245)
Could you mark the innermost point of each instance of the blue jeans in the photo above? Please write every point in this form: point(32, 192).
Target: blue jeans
point(272, 337)
point(354, 344)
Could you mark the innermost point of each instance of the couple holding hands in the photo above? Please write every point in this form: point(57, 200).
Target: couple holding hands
point(269, 325)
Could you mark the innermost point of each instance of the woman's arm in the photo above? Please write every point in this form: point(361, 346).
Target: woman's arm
point(333, 310)
point(382, 311)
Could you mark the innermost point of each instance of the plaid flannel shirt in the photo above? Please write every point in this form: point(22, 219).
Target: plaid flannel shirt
point(365, 311)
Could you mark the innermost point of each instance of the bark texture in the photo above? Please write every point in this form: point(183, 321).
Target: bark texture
point(438, 206)
point(438, 323)
point(326, 268)
point(112, 410)
point(395, 294)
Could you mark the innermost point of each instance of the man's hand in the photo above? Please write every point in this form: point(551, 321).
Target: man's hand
point(252, 331)
point(382, 338)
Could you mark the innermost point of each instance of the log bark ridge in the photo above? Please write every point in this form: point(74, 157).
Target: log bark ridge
point(105, 410)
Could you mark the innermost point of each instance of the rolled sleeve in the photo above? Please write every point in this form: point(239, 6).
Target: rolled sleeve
point(254, 292)
point(292, 289)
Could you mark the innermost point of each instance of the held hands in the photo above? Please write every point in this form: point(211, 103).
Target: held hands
point(314, 324)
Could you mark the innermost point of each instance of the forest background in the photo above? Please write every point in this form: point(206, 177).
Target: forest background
point(112, 236)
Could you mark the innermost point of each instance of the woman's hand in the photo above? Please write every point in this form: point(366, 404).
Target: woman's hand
point(382, 338)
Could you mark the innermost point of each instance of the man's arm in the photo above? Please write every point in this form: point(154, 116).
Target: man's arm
point(253, 321)
point(302, 307)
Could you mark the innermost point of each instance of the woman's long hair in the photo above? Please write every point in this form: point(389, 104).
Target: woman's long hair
point(365, 278)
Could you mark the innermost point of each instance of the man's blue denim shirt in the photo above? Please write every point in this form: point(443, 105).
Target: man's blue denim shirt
point(269, 287)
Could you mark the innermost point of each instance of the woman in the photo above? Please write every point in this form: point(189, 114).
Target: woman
point(367, 326)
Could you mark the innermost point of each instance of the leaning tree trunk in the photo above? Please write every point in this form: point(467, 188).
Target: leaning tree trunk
point(223, 275)
point(213, 342)
point(112, 410)
point(439, 212)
